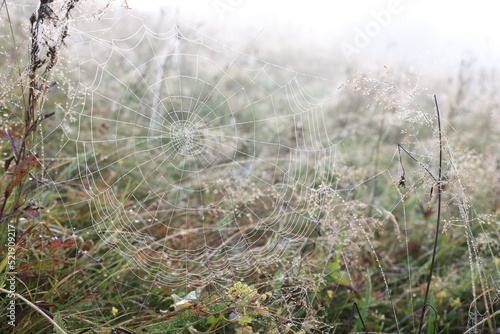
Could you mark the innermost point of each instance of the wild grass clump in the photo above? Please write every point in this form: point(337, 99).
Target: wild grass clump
point(336, 198)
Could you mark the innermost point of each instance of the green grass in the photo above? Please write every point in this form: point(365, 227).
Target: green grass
point(367, 241)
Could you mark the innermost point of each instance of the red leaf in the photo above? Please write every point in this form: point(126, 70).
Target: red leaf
point(20, 171)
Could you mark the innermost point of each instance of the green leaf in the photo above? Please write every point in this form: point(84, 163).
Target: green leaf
point(211, 320)
point(244, 320)
point(59, 320)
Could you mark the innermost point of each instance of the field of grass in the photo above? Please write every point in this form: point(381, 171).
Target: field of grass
point(159, 181)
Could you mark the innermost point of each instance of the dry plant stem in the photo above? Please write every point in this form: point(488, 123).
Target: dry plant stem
point(43, 62)
point(355, 307)
point(18, 62)
point(439, 191)
point(400, 147)
point(480, 323)
point(16, 155)
point(36, 308)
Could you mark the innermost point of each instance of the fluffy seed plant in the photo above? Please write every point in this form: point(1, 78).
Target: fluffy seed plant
point(49, 28)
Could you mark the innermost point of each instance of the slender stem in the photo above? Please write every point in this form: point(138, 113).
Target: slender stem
point(401, 159)
point(36, 308)
point(14, 43)
point(476, 327)
point(401, 147)
point(438, 220)
point(355, 307)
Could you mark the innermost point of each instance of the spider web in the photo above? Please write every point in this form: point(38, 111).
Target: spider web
point(197, 159)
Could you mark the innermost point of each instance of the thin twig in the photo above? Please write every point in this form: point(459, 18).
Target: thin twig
point(474, 328)
point(401, 159)
point(36, 308)
point(401, 147)
point(439, 192)
point(355, 307)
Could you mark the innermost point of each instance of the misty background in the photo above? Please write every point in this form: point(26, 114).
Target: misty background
point(428, 37)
